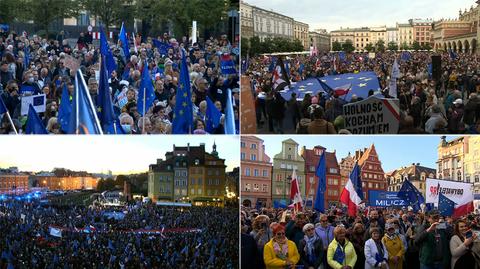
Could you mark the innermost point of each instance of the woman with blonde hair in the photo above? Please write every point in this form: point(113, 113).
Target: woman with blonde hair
point(341, 253)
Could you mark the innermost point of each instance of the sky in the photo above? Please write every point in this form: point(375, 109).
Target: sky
point(97, 154)
point(332, 15)
point(393, 151)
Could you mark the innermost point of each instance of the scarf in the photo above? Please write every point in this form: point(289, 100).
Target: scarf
point(281, 250)
point(339, 255)
point(309, 247)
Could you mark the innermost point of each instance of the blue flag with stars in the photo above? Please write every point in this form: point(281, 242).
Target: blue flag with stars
point(3, 108)
point(104, 98)
point(321, 173)
point(445, 205)
point(105, 51)
point(34, 123)
point(65, 109)
point(361, 83)
point(183, 112)
point(146, 94)
point(411, 195)
point(162, 47)
point(212, 115)
point(124, 39)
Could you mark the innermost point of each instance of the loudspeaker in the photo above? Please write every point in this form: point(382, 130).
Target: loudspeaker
point(436, 67)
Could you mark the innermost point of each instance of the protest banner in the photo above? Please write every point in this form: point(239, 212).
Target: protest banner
point(71, 63)
point(249, 124)
point(227, 65)
point(372, 116)
point(458, 192)
point(378, 198)
point(371, 55)
point(37, 101)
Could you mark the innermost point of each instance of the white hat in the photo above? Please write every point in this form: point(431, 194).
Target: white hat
point(458, 102)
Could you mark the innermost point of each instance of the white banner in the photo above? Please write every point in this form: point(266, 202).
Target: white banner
point(459, 192)
point(194, 32)
point(38, 102)
point(55, 232)
point(372, 116)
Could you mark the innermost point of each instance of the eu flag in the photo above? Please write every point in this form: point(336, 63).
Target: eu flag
point(65, 109)
point(162, 47)
point(34, 123)
point(3, 108)
point(105, 51)
point(321, 173)
point(104, 102)
point(229, 115)
point(213, 116)
point(146, 94)
point(411, 195)
point(83, 119)
point(26, 60)
point(445, 205)
point(183, 112)
point(123, 38)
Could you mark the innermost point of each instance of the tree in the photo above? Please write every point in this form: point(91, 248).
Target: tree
point(348, 46)
point(380, 46)
point(110, 12)
point(255, 45)
point(369, 47)
point(427, 46)
point(244, 46)
point(392, 46)
point(45, 12)
point(404, 46)
point(9, 11)
point(297, 45)
point(336, 46)
point(416, 45)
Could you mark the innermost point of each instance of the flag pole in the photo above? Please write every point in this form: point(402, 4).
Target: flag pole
point(144, 106)
point(11, 122)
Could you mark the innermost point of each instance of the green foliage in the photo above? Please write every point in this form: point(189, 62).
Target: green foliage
point(392, 46)
point(380, 46)
point(336, 46)
point(348, 46)
point(369, 47)
point(404, 46)
point(9, 11)
point(109, 12)
point(244, 46)
point(416, 46)
point(427, 46)
point(270, 45)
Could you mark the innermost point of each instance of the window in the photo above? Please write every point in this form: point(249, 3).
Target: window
point(311, 180)
point(312, 168)
point(83, 20)
point(459, 176)
point(255, 187)
point(242, 144)
point(278, 191)
point(289, 166)
point(193, 181)
point(265, 173)
point(192, 191)
point(370, 185)
point(253, 157)
point(279, 177)
point(264, 188)
point(253, 146)
point(242, 156)
point(289, 157)
point(247, 172)
point(255, 173)
point(467, 179)
point(477, 179)
point(199, 191)
point(333, 170)
point(248, 187)
point(283, 166)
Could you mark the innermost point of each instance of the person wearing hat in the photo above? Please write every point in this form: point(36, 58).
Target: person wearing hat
point(394, 245)
point(341, 253)
point(376, 254)
point(279, 252)
point(455, 117)
point(311, 248)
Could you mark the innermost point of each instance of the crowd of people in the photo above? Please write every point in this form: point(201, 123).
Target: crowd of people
point(43, 66)
point(375, 238)
point(26, 242)
point(449, 103)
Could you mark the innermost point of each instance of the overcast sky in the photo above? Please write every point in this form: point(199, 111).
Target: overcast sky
point(394, 151)
point(120, 154)
point(332, 15)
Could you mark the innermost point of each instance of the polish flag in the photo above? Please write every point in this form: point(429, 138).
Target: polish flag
point(352, 194)
point(342, 90)
point(295, 195)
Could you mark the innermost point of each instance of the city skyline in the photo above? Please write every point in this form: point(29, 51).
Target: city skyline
point(98, 154)
point(364, 17)
point(404, 146)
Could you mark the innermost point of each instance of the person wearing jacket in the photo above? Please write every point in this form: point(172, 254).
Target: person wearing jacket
point(434, 245)
point(311, 248)
point(341, 253)
point(394, 245)
point(279, 252)
point(461, 246)
point(376, 254)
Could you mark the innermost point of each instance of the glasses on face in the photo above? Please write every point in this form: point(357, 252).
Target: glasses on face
point(310, 229)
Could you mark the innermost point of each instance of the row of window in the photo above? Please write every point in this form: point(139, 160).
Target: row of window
point(331, 170)
point(256, 172)
point(253, 157)
point(252, 146)
point(279, 177)
point(256, 187)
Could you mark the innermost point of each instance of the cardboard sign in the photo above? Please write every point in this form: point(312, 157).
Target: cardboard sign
point(38, 102)
point(459, 192)
point(71, 63)
point(385, 199)
point(248, 123)
point(372, 116)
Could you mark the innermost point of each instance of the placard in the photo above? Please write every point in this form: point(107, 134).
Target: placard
point(38, 102)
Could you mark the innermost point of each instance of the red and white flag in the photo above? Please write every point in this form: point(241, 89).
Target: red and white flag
point(342, 90)
point(295, 195)
point(352, 194)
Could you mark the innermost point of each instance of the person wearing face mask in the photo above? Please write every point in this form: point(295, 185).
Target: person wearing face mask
point(394, 246)
point(376, 254)
point(279, 252)
point(29, 84)
point(311, 248)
